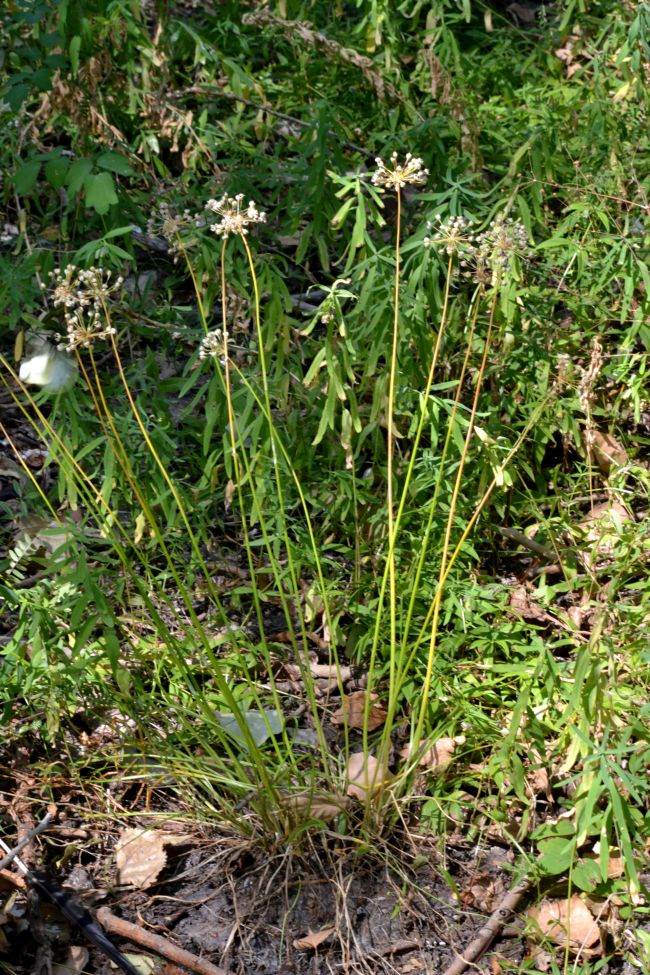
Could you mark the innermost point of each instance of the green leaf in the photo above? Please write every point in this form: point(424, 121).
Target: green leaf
point(73, 51)
point(100, 192)
point(115, 163)
point(42, 79)
point(16, 96)
point(556, 855)
point(25, 176)
point(56, 170)
point(78, 172)
point(586, 874)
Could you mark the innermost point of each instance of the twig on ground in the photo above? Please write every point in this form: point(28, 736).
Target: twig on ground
point(491, 928)
point(12, 852)
point(63, 899)
point(156, 943)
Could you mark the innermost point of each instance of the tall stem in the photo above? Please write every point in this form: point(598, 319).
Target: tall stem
point(392, 581)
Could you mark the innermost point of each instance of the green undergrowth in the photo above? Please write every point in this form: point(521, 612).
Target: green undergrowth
point(340, 520)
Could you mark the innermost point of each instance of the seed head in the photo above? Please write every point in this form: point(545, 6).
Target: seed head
point(170, 225)
point(75, 288)
point(503, 240)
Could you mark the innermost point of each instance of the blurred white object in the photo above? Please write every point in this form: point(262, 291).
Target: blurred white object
point(45, 366)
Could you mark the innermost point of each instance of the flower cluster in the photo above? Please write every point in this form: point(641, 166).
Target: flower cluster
point(486, 256)
point(502, 240)
point(213, 346)
point(397, 175)
point(450, 235)
point(83, 294)
point(169, 224)
point(83, 328)
point(82, 288)
point(235, 217)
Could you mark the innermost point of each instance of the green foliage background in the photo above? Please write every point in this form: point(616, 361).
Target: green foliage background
point(108, 110)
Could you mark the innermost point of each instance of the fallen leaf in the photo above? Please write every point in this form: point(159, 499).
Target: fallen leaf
point(438, 757)
point(309, 806)
point(353, 709)
point(601, 529)
point(541, 959)
point(562, 920)
point(141, 856)
point(539, 783)
point(229, 494)
point(143, 964)
point(526, 607)
point(313, 938)
point(605, 450)
point(329, 670)
point(261, 724)
point(412, 965)
point(365, 774)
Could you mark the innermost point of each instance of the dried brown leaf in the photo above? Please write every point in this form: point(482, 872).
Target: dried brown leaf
point(539, 783)
point(438, 757)
point(600, 528)
point(412, 965)
point(559, 920)
point(365, 774)
point(527, 608)
point(313, 939)
point(353, 709)
point(605, 450)
point(306, 806)
point(541, 958)
point(329, 670)
point(141, 857)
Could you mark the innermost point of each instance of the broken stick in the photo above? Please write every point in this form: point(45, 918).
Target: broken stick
point(156, 943)
point(491, 928)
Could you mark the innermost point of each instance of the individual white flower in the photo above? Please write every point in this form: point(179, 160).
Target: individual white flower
point(410, 171)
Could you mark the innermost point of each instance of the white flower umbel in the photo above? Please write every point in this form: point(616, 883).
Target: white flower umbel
point(46, 367)
point(74, 288)
point(396, 175)
point(450, 235)
point(213, 346)
point(235, 217)
point(83, 328)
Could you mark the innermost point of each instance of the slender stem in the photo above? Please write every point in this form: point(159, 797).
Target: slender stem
point(437, 603)
point(433, 505)
point(392, 580)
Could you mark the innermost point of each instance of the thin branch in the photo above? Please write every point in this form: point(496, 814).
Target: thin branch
point(12, 852)
point(156, 943)
point(491, 928)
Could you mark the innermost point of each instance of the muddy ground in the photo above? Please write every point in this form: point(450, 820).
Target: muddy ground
point(412, 905)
